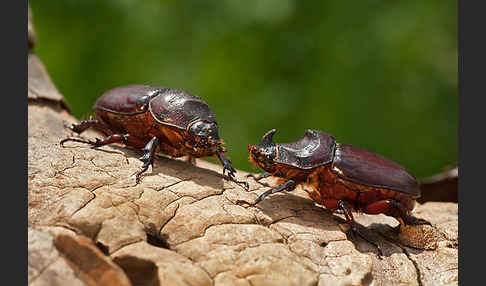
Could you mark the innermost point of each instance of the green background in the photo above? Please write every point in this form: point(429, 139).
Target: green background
point(381, 75)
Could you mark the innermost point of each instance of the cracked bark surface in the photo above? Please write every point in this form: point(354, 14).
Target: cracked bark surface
point(89, 224)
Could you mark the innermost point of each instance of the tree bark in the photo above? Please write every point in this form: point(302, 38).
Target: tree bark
point(90, 224)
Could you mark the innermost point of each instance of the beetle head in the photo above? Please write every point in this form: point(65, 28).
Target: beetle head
point(203, 128)
point(203, 137)
point(263, 154)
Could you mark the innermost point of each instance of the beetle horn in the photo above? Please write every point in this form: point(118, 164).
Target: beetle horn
point(267, 138)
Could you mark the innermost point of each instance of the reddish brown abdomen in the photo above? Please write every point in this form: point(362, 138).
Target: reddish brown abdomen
point(327, 188)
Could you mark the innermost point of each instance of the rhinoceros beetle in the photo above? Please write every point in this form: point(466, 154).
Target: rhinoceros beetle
point(338, 176)
point(156, 119)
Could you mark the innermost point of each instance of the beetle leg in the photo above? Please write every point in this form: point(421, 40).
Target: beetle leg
point(115, 138)
point(148, 157)
point(350, 220)
point(261, 176)
point(127, 139)
point(85, 124)
point(226, 164)
point(231, 171)
point(287, 186)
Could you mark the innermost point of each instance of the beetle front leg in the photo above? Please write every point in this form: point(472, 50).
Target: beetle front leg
point(148, 157)
point(226, 164)
point(342, 205)
point(231, 171)
point(260, 177)
point(287, 186)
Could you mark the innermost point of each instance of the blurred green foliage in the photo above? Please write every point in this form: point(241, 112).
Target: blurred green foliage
point(378, 74)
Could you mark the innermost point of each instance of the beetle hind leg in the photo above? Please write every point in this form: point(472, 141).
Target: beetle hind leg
point(341, 205)
point(127, 139)
point(86, 124)
point(115, 138)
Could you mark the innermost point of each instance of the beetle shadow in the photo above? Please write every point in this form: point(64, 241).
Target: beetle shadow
point(306, 213)
point(171, 167)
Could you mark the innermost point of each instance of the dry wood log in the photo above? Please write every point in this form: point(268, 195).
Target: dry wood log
point(90, 224)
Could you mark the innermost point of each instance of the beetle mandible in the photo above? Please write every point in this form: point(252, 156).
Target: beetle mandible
point(338, 176)
point(156, 119)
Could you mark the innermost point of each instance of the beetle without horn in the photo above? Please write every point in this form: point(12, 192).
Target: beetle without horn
point(156, 119)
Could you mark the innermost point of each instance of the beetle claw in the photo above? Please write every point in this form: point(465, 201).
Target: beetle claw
point(230, 169)
point(231, 176)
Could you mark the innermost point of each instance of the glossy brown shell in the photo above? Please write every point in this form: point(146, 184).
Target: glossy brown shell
point(171, 107)
point(315, 149)
point(367, 168)
point(179, 108)
point(128, 100)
